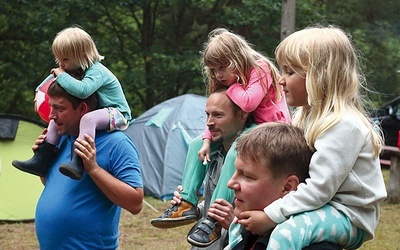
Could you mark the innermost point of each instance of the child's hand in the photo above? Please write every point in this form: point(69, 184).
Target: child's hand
point(57, 71)
point(204, 152)
point(256, 222)
point(177, 199)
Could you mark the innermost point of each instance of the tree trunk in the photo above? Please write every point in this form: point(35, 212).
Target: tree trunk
point(288, 20)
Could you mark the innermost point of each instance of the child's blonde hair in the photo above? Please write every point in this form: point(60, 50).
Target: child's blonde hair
point(226, 48)
point(77, 45)
point(333, 80)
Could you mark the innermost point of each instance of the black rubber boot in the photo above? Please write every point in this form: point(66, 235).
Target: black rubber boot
point(40, 162)
point(74, 169)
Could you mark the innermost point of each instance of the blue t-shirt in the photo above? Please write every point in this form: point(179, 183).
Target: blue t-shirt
point(74, 214)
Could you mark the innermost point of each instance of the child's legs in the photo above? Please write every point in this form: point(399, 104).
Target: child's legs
point(52, 136)
point(194, 172)
point(324, 224)
point(228, 169)
point(98, 119)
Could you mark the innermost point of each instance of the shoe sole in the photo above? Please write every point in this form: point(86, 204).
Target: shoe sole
point(68, 171)
point(201, 244)
point(172, 222)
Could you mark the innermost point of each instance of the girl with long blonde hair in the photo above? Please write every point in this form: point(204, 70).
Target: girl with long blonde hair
point(340, 200)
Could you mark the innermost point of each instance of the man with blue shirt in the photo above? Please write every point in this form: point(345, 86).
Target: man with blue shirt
point(85, 214)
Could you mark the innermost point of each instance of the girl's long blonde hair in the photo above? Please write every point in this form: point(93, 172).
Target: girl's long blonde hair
point(226, 48)
point(77, 45)
point(333, 80)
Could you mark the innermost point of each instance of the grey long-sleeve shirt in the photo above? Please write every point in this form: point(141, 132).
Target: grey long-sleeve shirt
point(344, 173)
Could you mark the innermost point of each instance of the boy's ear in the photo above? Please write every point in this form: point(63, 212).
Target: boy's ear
point(290, 184)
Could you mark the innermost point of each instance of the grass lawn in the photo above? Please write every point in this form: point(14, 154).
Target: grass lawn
point(137, 232)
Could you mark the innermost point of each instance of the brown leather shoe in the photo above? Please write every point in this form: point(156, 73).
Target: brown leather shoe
point(178, 215)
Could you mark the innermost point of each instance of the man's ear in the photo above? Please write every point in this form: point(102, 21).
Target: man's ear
point(290, 184)
point(83, 108)
point(243, 115)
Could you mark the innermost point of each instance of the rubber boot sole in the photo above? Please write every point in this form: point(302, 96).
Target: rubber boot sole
point(65, 169)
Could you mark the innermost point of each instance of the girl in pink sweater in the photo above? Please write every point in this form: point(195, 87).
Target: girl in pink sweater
point(252, 78)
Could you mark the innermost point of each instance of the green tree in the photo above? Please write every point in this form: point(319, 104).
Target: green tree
point(153, 45)
point(375, 30)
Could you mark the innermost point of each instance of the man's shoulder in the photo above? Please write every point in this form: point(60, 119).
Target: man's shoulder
point(114, 141)
point(112, 138)
point(115, 135)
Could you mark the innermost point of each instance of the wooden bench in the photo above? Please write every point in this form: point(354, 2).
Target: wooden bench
point(394, 178)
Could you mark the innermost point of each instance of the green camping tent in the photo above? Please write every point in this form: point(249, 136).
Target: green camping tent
point(19, 191)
